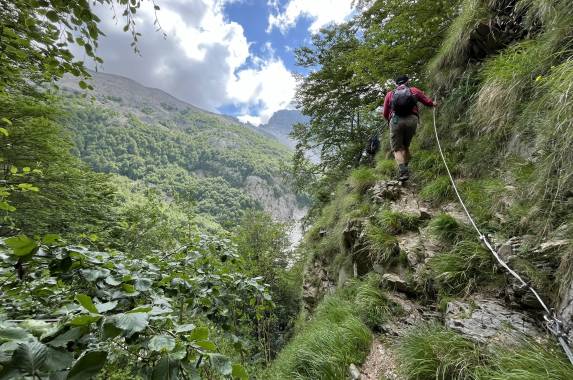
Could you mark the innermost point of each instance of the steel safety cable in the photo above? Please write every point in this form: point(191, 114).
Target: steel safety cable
point(554, 324)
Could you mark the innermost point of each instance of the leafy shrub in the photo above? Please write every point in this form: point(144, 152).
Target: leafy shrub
point(434, 352)
point(87, 310)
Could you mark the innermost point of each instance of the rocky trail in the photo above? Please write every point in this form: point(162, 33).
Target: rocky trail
point(491, 316)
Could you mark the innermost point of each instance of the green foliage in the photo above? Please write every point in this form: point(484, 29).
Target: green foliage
point(198, 157)
point(51, 184)
point(385, 168)
point(110, 308)
point(432, 352)
point(264, 244)
point(36, 38)
point(463, 268)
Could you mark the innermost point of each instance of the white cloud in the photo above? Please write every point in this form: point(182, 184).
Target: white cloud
point(270, 87)
point(322, 12)
point(204, 60)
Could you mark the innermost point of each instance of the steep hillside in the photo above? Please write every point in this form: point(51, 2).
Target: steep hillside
point(145, 134)
point(397, 283)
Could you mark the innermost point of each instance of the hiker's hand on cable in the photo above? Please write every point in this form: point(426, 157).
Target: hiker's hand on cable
point(435, 103)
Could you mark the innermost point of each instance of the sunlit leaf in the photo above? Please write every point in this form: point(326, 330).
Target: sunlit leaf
point(87, 303)
point(162, 343)
point(21, 245)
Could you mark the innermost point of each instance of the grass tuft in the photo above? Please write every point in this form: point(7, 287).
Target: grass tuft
point(372, 306)
point(438, 191)
point(463, 268)
point(326, 346)
point(382, 247)
point(395, 223)
point(385, 169)
point(447, 229)
point(530, 361)
point(362, 179)
point(434, 352)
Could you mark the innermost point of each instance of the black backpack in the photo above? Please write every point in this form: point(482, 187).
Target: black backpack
point(403, 101)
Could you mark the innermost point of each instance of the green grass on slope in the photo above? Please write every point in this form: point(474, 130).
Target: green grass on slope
point(336, 336)
point(327, 346)
point(433, 352)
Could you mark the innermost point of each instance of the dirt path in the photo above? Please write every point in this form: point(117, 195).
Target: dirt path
point(380, 363)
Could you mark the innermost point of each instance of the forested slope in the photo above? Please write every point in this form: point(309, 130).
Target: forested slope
point(145, 134)
point(399, 264)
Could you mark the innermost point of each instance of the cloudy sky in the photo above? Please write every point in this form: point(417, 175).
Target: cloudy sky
point(229, 56)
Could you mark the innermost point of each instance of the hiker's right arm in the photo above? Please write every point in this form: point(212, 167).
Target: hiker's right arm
point(423, 98)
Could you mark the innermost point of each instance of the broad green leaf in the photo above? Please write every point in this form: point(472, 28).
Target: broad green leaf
point(50, 239)
point(88, 365)
point(110, 331)
point(7, 206)
point(21, 245)
point(131, 323)
point(71, 335)
point(161, 343)
point(6, 121)
point(143, 284)
point(140, 309)
point(184, 328)
point(87, 303)
point(4, 132)
point(221, 364)
point(200, 333)
point(166, 369)
point(84, 320)
point(112, 281)
point(128, 288)
point(105, 307)
point(206, 345)
point(93, 275)
point(239, 372)
point(58, 360)
point(30, 356)
point(17, 334)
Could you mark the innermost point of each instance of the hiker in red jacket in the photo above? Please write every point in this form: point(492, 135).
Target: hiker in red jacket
point(402, 113)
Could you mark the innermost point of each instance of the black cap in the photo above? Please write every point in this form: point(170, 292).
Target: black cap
point(402, 79)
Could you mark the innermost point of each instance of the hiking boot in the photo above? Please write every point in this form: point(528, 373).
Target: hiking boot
point(404, 173)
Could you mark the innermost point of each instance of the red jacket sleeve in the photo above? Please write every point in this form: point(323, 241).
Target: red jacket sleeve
point(388, 105)
point(422, 98)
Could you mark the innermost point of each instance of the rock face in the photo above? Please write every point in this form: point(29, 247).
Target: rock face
point(488, 320)
point(316, 284)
